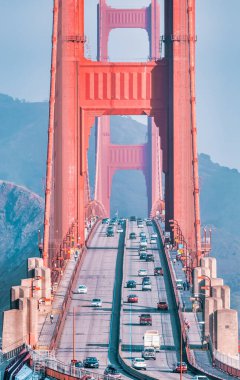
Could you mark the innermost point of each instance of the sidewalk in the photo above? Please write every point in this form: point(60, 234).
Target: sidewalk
point(45, 327)
point(203, 358)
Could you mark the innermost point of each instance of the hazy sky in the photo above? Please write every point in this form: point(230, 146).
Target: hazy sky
point(25, 37)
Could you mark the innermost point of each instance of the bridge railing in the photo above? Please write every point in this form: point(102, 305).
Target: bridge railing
point(189, 352)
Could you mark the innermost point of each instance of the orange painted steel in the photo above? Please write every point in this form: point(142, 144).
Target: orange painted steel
point(49, 176)
point(161, 89)
point(127, 157)
point(192, 39)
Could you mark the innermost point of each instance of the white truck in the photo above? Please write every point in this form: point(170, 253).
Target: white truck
point(152, 339)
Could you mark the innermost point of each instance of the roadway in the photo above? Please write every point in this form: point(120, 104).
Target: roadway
point(163, 321)
point(92, 325)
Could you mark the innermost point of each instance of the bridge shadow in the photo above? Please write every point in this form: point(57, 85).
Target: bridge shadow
point(103, 345)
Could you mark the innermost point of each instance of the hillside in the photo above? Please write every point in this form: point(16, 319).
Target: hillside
point(23, 137)
point(21, 215)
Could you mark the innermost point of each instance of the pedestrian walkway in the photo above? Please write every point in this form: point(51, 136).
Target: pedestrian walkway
point(202, 357)
point(46, 327)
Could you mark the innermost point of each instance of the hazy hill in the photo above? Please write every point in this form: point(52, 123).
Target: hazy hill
point(23, 138)
point(21, 215)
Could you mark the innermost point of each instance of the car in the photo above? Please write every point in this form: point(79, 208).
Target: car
point(131, 284)
point(111, 372)
point(77, 363)
point(153, 240)
point(145, 319)
point(154, 235)
point(139, 363)
point(132, 236)
point(82, 289)
point(96, 302)
point(200, 377)
point(142, 234)
point(119, 229)
point(143, 244)
point(146, 286)
point(105, 221)
point(132, 298)
point(180, 366)
point(110, 233)
point(179, 284)
point(142, 272)
point(149, 223)
point(91, 362)
point(162, 305)
point(158, 271)
point(150, 257)
point(146, 280)
point(140, 225)
point(143, 239)
point(143, 255)
point(141, 249)
point(133, 218)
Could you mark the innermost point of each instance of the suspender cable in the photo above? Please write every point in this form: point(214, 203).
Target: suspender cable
point(192, 39)
point(49, 170)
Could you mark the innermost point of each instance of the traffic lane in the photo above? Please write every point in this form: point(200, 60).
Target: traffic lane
point(133, 337)
point(147, 303)
point(92, 325)
point(131, 315)
point(101, 240)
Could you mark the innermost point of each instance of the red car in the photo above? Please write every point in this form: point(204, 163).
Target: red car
point(178, 367)
point(162, 305)
point(158, 271)
point(145, 319)
point(132, 298)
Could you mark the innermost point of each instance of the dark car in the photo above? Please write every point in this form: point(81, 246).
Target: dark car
point(149, 223)
point(158, 271)
point(132, 236)
point(133, 219)
point(132, 298)
point(77, 363)
point(150, 257)
point(110, 233)
point(145, 319)
point(111, 372)
point(143, 255)
point(180, 366)
point(105, 221)
point(146, 280)
point(131, 284)
point(91, 362)
point(162, 305)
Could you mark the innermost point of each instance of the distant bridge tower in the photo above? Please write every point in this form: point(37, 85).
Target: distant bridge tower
point(146, 157)
point(82, 90)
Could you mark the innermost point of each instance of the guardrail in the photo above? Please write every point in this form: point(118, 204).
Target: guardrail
point(189, 353)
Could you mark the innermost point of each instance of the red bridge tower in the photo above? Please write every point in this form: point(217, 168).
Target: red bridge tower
point(146, 157)
point(82, 90)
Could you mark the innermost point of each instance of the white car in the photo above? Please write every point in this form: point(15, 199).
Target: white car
point(140, 225)
point(119, 229)
point(154, 235)
point(82, 289)
point(139, 363)
point(153, 240)
point(142, 272)
point(200, 377)
point(96, 302)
